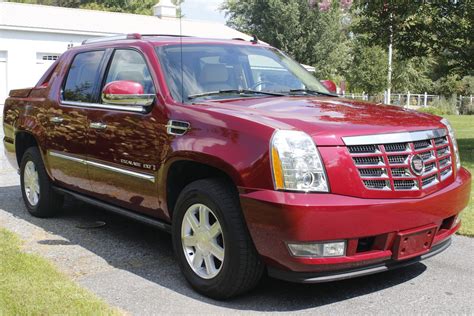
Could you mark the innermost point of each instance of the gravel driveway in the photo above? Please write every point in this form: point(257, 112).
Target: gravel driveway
point(132, 267)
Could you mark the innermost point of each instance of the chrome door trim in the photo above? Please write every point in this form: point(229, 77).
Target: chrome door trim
point(392, 138)
point(87, 162)
point(142, 176)
point(67, 157)
point(131, 108)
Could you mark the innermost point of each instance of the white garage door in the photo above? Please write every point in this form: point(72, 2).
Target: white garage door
point(3, 79)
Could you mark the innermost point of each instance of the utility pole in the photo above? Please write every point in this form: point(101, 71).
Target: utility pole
point(389, 75)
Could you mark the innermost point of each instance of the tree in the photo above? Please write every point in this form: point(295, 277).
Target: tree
point(412, 74)
point(312, 37)
point(57, 3)
point(368, 69)
point(127, 6)
point(438, 29)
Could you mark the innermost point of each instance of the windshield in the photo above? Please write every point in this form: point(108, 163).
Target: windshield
point(211, 71)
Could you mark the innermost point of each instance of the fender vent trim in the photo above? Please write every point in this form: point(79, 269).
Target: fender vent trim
point(177, 127)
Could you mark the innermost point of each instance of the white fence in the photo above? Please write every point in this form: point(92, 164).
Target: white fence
point(412, 100)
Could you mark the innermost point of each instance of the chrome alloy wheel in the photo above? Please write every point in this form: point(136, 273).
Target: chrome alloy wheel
point(202, 241)
point(31, 183)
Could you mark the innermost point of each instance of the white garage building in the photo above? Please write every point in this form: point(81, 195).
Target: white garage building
point(33, 36)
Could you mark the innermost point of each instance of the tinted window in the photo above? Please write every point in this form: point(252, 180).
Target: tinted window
point(129, 65)
point(199, 68)
point(82, 77)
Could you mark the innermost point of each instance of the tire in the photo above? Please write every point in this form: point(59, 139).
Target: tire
point(241, 268)
point(46, 202)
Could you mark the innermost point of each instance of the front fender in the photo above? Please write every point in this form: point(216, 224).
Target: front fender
point(240, 149)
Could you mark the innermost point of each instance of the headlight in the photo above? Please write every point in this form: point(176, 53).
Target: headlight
point(452, 135)
point(296, 163)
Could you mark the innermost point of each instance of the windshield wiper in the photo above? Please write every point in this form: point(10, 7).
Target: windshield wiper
point(230, 91)
point(308, 91)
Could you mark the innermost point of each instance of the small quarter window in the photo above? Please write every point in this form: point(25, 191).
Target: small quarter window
point(82, 77)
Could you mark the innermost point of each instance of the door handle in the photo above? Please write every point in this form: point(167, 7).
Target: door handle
point(56, 119)
point(98, 125)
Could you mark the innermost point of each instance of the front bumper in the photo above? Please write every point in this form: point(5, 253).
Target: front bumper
point(305, 277)
point(275, 218)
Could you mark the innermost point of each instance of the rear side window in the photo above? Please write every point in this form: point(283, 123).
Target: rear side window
point(82, 77)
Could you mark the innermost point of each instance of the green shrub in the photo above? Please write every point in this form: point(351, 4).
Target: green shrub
point(442, 106)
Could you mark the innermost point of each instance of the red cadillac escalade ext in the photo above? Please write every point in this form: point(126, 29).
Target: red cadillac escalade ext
point(240, 153)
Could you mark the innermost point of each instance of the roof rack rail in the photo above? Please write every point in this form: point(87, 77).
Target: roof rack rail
point(164, 35)
point(111, 38)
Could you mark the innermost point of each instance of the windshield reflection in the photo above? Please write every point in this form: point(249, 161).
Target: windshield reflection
point(212, 71)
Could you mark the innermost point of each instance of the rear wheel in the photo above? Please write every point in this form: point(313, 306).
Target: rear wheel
point(38, 194)
point(211, 240)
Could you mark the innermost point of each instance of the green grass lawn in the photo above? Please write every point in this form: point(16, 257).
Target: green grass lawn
point(30, 285)
point(464, 126)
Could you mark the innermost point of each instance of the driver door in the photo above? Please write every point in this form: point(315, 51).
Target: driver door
point(123, 147)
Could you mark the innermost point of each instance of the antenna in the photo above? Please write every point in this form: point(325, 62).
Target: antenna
point(181, 49)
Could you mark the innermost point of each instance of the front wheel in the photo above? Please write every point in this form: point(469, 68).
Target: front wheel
point(211, 240)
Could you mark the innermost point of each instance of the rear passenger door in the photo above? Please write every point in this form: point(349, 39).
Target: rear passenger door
point(67, 120)
point(123, 146)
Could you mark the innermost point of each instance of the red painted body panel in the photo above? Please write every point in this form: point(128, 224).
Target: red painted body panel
point(233, 136)
point(275, 218)
point(123, 87)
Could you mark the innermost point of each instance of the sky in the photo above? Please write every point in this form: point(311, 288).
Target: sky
point(203, 10)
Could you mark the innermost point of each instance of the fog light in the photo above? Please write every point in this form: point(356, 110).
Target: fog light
point(329, 249)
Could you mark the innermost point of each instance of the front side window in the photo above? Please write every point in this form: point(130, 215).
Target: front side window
point(83, 76)
point(129, 65)
point(199, 69)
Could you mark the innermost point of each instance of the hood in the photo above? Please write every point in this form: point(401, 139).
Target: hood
point(326, 119)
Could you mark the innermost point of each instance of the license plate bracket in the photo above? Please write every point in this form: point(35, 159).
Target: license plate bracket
point(413, 243)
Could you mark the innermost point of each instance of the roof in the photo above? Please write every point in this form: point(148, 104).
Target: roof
point(40, 18)
point(164, 39)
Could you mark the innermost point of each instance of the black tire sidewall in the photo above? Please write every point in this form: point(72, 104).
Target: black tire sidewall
point(197, 196)
point(30, 156)
point(49, 202)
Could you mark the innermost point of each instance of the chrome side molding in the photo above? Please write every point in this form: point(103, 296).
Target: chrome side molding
point(392, 138)
point(130, 108)
point(87, 162)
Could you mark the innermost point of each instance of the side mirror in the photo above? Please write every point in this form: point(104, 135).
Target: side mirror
point(124, 92)
point(330, 85)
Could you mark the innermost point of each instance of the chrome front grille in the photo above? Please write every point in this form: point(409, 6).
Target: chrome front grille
point(422, 144)
point(427, 155)
point(377, 184)
point(398, 159)
point(396, 147)
point(373, 172)
point(385, 164)
point(405, 185)
point(368, 161)
point(428, 181)
point(363, 149)
point(401, 172)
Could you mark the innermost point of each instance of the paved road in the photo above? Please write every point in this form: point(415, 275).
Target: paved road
point(132, 267)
